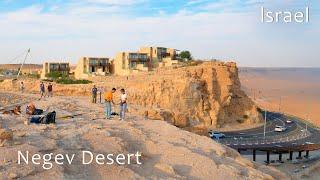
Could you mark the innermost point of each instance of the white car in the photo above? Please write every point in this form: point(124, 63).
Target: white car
point(216, 135)
point(288, 121)
point(280, 129)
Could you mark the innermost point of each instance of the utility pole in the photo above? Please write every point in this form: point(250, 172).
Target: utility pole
point(306, 122)
point(23, 63)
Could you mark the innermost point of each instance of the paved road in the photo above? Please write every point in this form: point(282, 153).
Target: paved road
point(295, 136)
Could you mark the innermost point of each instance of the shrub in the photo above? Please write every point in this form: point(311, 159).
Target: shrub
point(56, 75)
point(47, 80)
point(72, 81)
point(186, 55)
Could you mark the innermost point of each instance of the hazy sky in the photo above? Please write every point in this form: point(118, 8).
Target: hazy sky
point(221, 29)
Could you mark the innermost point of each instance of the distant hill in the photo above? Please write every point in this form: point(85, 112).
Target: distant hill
point(16, 66)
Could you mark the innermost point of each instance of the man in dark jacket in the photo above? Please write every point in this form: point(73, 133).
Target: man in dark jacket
point(50, 90)
point(94, 92)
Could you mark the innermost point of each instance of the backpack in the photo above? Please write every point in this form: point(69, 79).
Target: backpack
point(46, 119)
point(49, 118)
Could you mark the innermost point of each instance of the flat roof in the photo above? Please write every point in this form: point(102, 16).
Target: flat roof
point(56, 63)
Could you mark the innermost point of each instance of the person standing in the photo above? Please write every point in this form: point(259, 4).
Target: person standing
point(42, 90)
point(50, 90)
point(22, 87)
point(123, 104)
point(94, 92)
point(108, 100)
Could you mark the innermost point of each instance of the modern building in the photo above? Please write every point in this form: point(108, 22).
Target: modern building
point(126, 63)
point(50, 67)
point(160, 56)
point(92, 66)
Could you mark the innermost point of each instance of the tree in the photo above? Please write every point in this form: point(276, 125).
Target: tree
point(185, 55)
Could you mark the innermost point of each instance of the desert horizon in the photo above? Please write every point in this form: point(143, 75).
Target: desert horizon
point(298, 89)
point(148, 89)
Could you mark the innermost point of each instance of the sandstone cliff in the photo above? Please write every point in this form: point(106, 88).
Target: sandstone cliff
point(206, 94)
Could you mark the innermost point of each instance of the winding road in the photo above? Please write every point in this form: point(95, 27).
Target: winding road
point(298, 137)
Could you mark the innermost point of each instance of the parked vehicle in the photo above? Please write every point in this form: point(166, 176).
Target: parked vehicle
point(216, 135)
point(280, 129)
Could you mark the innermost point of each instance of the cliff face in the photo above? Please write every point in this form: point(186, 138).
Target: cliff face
point(206, 94)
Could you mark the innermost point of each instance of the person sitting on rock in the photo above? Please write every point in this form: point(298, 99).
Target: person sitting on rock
point(31, 109)
point(15, 111)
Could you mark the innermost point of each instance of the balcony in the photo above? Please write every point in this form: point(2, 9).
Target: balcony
point(98, 62)
point(138, 57)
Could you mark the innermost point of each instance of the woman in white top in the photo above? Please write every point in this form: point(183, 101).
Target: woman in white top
point(123, 104)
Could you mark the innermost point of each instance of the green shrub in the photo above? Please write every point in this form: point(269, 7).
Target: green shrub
point(72, 81)
point(56, 75)
point(186, 55)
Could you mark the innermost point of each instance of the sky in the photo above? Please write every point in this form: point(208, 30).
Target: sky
point(231, 30)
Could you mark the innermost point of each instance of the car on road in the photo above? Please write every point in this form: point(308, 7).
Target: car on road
point(216, 135)
point(280, 129)
point(289, 121)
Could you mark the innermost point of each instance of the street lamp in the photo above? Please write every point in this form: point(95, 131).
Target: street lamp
point(265, 123)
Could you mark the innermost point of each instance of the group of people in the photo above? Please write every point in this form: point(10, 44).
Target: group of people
point(43, 90)
point(108, 98)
